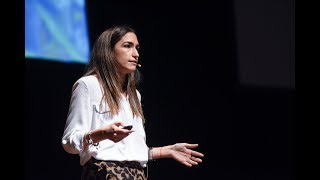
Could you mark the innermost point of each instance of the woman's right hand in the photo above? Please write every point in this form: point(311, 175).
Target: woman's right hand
point(115, 131)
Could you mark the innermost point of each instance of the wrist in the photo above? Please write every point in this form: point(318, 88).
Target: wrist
point(169, 150)
point(88, 139)
point(166, 151)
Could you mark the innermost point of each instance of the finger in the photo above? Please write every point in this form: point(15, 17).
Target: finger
point(196, 153)
point(127, 131)
point(130, 131)
point(187, 164)
point(196, 159)
point(191, 145)
point(193, 161)
point(118, 123)
point(190, 161)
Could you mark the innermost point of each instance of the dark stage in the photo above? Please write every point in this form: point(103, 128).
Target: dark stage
point(218, 73)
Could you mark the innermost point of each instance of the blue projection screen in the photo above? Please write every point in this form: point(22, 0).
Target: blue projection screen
point(56, 30)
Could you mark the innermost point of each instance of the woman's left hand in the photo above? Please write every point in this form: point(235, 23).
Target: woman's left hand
point(183, 153)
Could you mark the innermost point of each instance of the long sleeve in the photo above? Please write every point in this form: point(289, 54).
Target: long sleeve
point(78, 120)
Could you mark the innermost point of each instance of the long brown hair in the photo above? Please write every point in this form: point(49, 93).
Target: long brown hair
point(103, 64)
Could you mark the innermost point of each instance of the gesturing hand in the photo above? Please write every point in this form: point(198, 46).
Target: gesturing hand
point(115, 132)
point(182, 153)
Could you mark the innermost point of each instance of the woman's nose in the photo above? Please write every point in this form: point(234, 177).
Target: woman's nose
point(135, 54)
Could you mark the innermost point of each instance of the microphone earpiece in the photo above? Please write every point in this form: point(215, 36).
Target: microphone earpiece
point(139, 65)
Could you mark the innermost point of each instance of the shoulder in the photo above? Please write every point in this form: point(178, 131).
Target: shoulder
point(86, 82)
point(87, 79)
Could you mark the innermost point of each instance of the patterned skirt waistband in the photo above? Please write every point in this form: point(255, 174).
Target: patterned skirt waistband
point(130, 164)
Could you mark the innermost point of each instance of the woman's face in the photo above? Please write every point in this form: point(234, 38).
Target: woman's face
point(126, 53)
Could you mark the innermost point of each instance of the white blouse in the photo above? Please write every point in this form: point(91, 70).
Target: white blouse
point(85, 114)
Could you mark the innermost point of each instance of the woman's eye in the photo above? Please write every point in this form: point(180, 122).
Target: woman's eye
point(127, 46)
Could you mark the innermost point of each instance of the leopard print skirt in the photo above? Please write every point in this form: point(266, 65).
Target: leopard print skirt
point(112, 170)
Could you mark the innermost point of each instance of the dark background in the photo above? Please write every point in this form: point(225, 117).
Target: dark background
point(219, 73)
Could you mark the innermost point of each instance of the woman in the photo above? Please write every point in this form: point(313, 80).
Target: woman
point(103, 102)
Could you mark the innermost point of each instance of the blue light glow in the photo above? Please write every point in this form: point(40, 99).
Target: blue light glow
point(56, 30)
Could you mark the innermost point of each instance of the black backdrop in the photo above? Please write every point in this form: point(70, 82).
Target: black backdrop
point(190, 93)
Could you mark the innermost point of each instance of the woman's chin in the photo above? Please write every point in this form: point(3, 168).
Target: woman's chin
point(130, 70)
